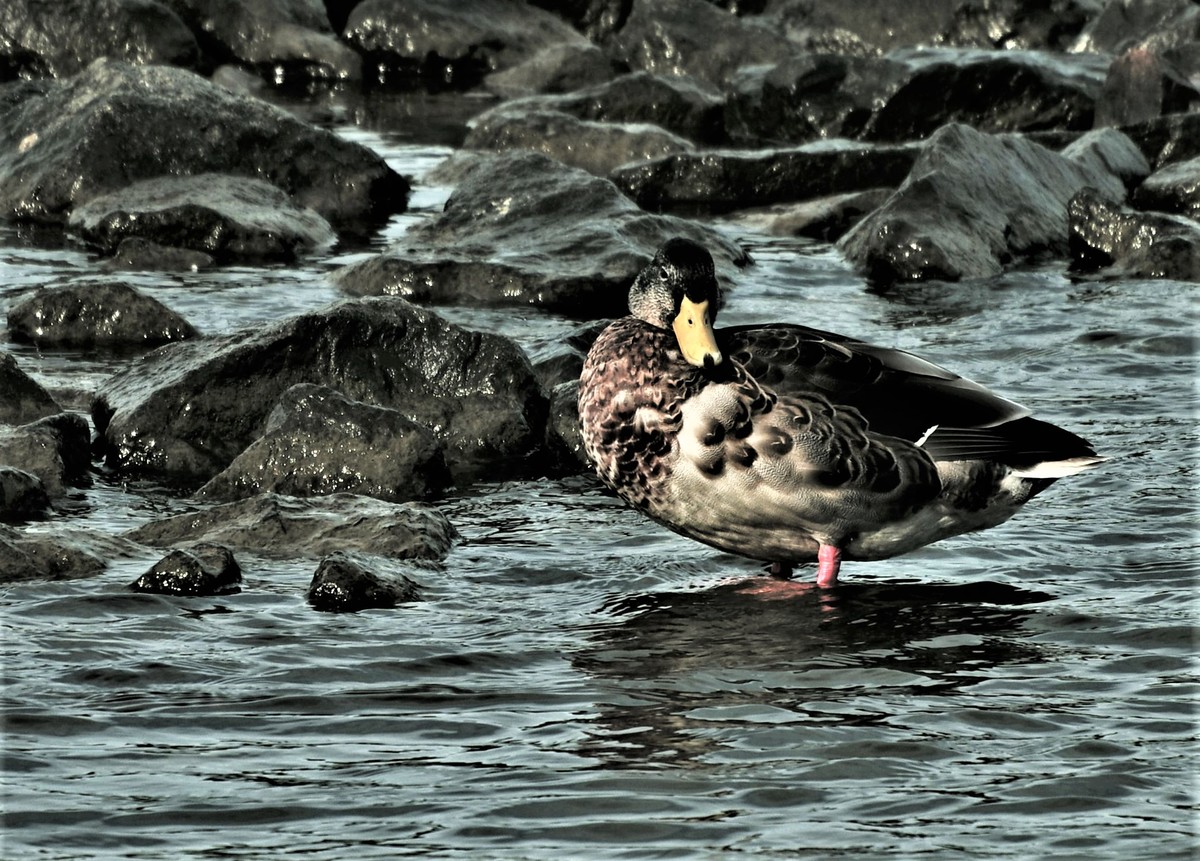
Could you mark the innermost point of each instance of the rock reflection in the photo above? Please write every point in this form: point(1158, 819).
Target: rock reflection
point(681, 665)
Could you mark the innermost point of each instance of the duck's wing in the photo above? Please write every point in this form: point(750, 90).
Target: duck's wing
point(899, 394)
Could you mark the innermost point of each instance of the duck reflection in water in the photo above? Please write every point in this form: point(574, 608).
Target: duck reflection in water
point(788, 444)
point(826, 658)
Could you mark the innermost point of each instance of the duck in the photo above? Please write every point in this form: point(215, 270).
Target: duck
point(791, 445)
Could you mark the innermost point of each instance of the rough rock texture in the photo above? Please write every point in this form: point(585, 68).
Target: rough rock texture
point(63, 143)
point(136, 253)
point(202, 569)
point(188, 409)
point(1167, 139)
point(343, 584)
point(234, 219)
point(59, 555)
point(22, 495)
point(61, 37)
point(22, 398)
point(724, 180)
point(317, 441)
point(972, 204)
point(455, 43)
point(824, 218)
point(95, 314)
point(597, 19)
point(287, 41)
point(994, 92)
point(693, 37)
point(598, 148)
point(1129, 244)
point(1124, 24)
point(1108, 151)
point(1174, 188)
point(1141, 85)
point(557, 69)
point(283, 526)
point(57, 449)
point(522, 229)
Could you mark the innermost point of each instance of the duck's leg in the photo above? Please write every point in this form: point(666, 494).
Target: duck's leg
point(829, 560)
point(780, 570)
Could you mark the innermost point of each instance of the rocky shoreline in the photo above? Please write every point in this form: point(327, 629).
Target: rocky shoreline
point(951, 142)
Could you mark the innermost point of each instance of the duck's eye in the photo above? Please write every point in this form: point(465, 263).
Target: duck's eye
point(663, 274)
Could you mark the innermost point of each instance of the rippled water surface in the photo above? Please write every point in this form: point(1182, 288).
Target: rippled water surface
point(583, 684)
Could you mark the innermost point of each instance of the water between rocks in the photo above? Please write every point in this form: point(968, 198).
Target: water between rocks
point(583, 684)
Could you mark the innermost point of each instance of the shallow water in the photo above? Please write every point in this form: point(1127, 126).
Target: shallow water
point(583, 684)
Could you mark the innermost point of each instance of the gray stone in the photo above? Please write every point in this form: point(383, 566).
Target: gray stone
point(1119, 242)
point(59, 555)
point(57, 449)
point(95, 314)
point(22, 398)
point(1174, 188)
point(343, 584)
point(200, 570)
point(233, 219)
point(277, 526)
point(22, 495)
point(318, 441)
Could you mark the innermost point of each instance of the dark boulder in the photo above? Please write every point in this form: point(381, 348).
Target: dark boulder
point(22, 495)
point(991, 91)
point(823, 218)
point(22, 398)
point(456, 44)
point(188, 409)
point(343, 584)
point(58, 555)
point(318, 441)
point(200, 570)
point(95, 314)
point(233, 219)
point(596, 19)
point(564, 435)
point(57, 449)
point(1109, 152)
point(63, 143)
point(1125, 24)
point(696, 38)
point(1141, 85)
point(1125, 243)
point(61, 37)
point(1167, 139)
point(1174, 188)
point(726, 180)
point(972, 204)
point(598, 148)
point(561, 68)
point(289, 42)
point(523, 229)
point(134, 252)
point(277, 526)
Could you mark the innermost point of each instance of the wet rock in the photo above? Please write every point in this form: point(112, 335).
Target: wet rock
point(233, 219)
point(1167, 139)
point(1125, 24)
point(188, 409)
point(972, 204)
point(22, 399)
point(134, 252)
point(993, 92)
point(286, 41)
point(63, 143)
point(95, 314)
point(22, 495)
point(562, 361)
point(57, 449)
point(693, 37)
point(59, 555)
point(1018, 24)
point(1174, 188)
point(810, 96)
point(203, 569)
point(450, 43)
point(557, 69)
point(598, 148)
point(522, 229)
point(824, 218)
point(62, 37)
point(317, 441)
point(343, 584)
point(278, 526)
point(722, 181)
point(1141, 85)
point(685, 106)
point(1130, 244)
point(597, 19)
point(1108, 151)
point(564, 435)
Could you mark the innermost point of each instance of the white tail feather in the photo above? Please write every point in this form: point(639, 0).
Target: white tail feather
point(1059, 468)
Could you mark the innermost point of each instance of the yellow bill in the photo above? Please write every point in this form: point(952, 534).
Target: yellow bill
point(693, 331)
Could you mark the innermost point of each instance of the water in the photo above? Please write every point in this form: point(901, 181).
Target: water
point(580, 683)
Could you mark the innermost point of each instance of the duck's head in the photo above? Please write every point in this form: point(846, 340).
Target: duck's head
point(678, 291)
